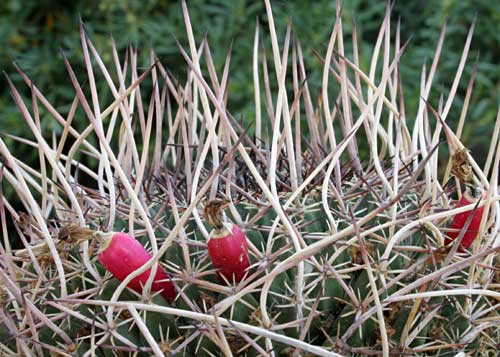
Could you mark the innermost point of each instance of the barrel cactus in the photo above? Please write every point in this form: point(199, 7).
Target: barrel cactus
point(345, 201)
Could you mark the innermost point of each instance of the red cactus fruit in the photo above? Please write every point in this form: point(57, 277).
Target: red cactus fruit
point(460, 220)
point(228, 250)
point(227, 245)
point(122, 254)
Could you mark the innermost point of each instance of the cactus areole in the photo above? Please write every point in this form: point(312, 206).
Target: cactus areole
point(227, 245)
point(460, 220)
point(122, 254)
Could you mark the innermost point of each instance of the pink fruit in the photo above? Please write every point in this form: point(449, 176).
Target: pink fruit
point(122, 254)
point(228, 249)
point(460, 220)
point(227, 244)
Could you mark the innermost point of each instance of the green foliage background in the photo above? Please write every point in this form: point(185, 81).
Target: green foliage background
point(32, 32)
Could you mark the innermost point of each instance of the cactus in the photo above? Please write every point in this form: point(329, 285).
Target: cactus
point(344, 201)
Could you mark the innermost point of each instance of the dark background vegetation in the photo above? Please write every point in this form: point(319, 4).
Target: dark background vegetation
point(33, 32)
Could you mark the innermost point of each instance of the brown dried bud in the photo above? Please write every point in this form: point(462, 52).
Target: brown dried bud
point(213, 212)
point(236, 343)
point(461, 167)
point(207, 300)
point(75, 234)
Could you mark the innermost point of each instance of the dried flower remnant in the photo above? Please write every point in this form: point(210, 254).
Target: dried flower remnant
point(461, 167)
